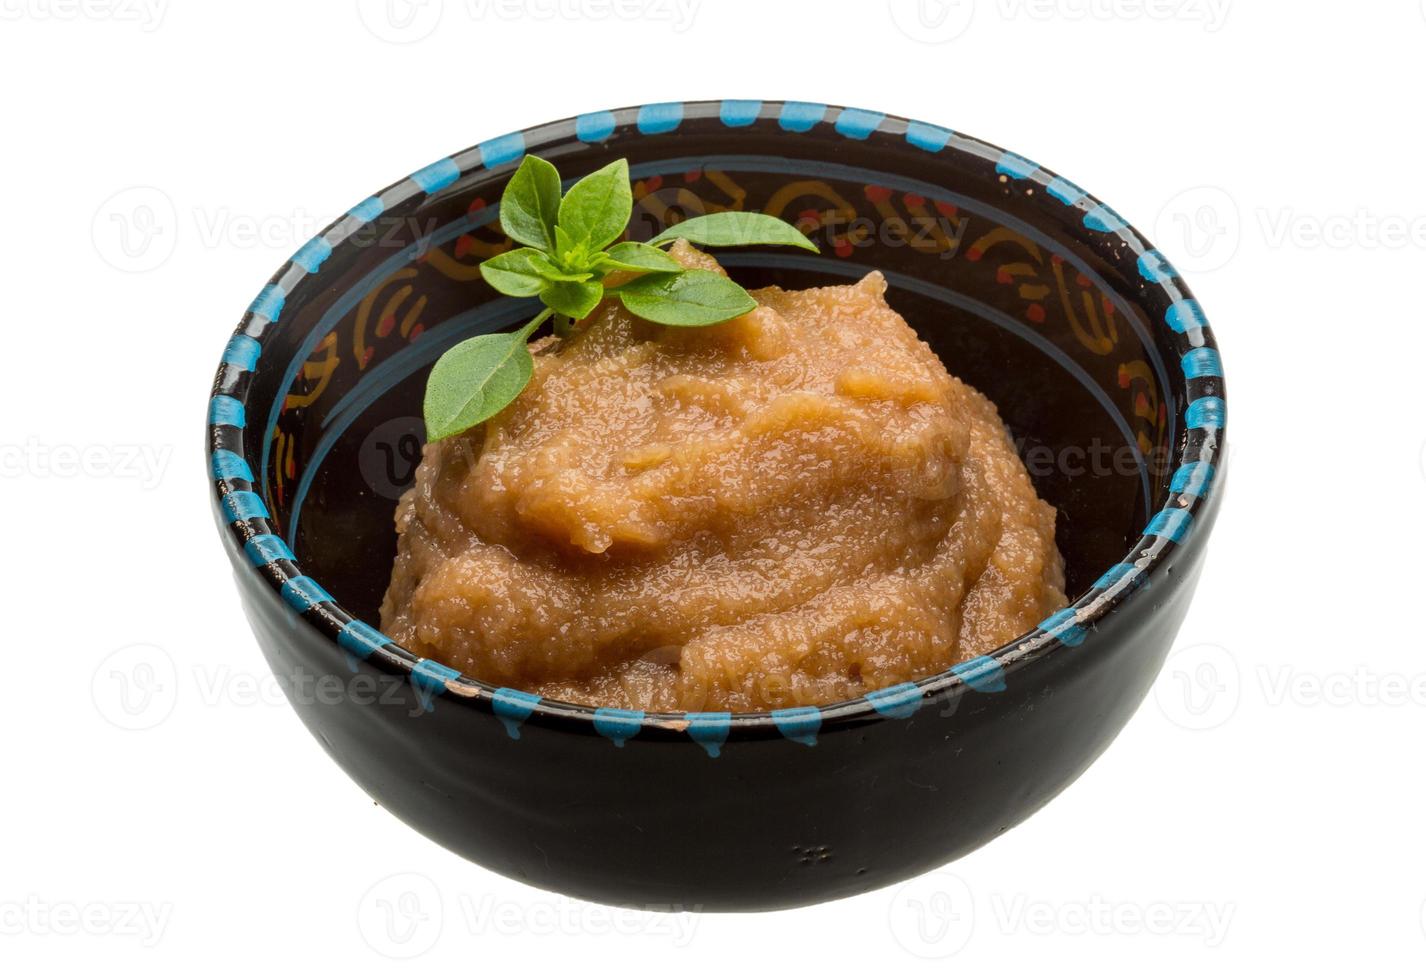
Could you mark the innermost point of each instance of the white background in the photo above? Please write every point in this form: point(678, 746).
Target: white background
point(1263, 809)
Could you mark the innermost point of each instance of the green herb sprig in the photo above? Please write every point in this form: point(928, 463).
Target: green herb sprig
point(568, 249)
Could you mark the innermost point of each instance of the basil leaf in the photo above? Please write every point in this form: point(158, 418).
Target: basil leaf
point(573, 299)
point(531, 203)
point(473, 381)
point(565, 245)
point(596, 210)
point(695, 298)
point(736, 228)
point(553, 273)
point(518, 272)
point(638, 257)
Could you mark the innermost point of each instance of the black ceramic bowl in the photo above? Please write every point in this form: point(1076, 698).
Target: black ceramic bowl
point(1031, 290)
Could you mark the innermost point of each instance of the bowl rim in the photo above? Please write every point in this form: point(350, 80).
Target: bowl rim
point(243, 514)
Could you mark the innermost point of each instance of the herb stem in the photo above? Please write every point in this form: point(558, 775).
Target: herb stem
point(524, 332)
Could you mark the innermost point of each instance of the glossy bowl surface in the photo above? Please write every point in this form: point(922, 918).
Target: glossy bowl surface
point(1099, 358)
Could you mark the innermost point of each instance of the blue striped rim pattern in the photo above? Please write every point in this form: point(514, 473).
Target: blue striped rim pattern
point(247, 514)
point(227, 410)
point(302, 593)
point(264, 549)
point(1155, 267)
point(1186, 316)
point(502, 149)
point(1065, 192)
point(368, 210)
point(243, 505)
point(228, 465)
point(242, 353)
point(982, 674)
point(897, 701)
point(512, 707)
point(361, 640)
point(799, 117)
point(268, 302)
point(662, 117)
point(858, 124)
point(1064, 626)
point(1116, 577)
point(1206, 413)
point(618, 725)
point(1171, 523)
point(737, 113)
point(429, 679)
point(1102, 217)
point(438, 175)
point(311, 256)
point(1203, 362)
point(709, 729)
point(799, 724)
point(1016, 166)
point(1192, 479)
point(924, 136)
point(594, 127)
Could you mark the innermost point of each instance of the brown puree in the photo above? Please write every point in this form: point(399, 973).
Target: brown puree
point(791, 508)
